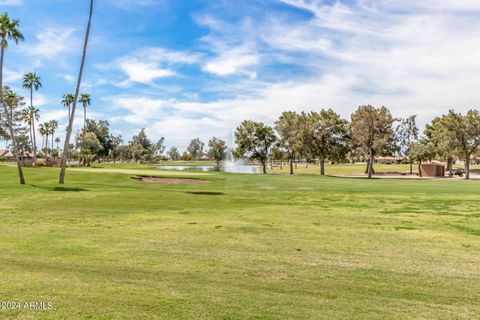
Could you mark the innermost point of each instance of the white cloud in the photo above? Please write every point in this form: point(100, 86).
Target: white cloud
point(435, 5)
point(232, 47)
point(128, 4)
point(237, 60)
point(38, 99)
point(162, 55)
point(142, 72)
point(10, 76)
point(11, 2)
point(140, 110)
point(53, 42)
point(148, 64)
point(69, 78)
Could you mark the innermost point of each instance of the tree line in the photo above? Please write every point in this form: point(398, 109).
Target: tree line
point(369, 133)
point(318, 137)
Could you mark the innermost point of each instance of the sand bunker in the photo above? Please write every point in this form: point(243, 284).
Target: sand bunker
point(169, 180)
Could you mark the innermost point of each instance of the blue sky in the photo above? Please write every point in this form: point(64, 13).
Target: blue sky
point(183, 69)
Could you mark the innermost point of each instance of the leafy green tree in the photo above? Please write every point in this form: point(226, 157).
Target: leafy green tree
point(464, 130)
point(326, 136)
point(140, 148)
point(123, 152)
point(31, 81)
point(101, 129)
point(61, 178)
point(23, 144)
point(287, 129)
point(217, 149)
point(85, 100)
point(277, 154)
point(254, 140)
point(173, 153)
point(186, 156)
point(371, 129)
point(443, 141)
point(195, 148)
point(9, 30)
point(407, 133)
point(115, 144)
point(421, 151)
point(158, 148)
point(15, 105)
point(89, 147)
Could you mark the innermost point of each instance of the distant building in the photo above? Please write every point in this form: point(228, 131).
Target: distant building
point(388, 160)
point(7, 154)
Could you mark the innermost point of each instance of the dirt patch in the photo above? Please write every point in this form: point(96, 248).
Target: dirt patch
point(169, 180)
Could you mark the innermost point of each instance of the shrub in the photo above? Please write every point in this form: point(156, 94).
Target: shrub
point(41, 163)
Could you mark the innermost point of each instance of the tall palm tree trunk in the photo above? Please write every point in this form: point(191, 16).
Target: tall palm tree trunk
point(84, 117)
point(9, 117)
point(32, 120)
point(77, 90)
point(31, 135)
point(34, 140)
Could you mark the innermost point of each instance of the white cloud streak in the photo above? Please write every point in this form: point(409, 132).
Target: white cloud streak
point(52, 43)
point(149, 64)
point(11, 2)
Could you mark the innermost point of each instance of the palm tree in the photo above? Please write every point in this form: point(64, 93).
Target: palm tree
point(9, 31)
point(67, 101)
point(77, 90)
point(85, 100)
point(53, 126)
point(46, 127)
point(57, 140)
point(29, 116)
point(32, 81)
point(42, 129)
point(26, 117)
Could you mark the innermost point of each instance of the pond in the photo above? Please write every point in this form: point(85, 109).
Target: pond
point(244, 168)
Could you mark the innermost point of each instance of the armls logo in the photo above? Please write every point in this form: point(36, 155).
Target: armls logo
point(38, 305)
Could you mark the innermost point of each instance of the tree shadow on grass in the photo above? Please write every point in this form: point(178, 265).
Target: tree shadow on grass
point(61, 189)
point(206, 193)
point(68, 189)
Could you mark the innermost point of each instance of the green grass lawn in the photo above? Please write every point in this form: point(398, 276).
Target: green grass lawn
point(301, 168)
point(336, 169)
point(130, 165)
point(105, 246)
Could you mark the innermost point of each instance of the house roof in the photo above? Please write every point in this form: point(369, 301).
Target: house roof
point(5, 153)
